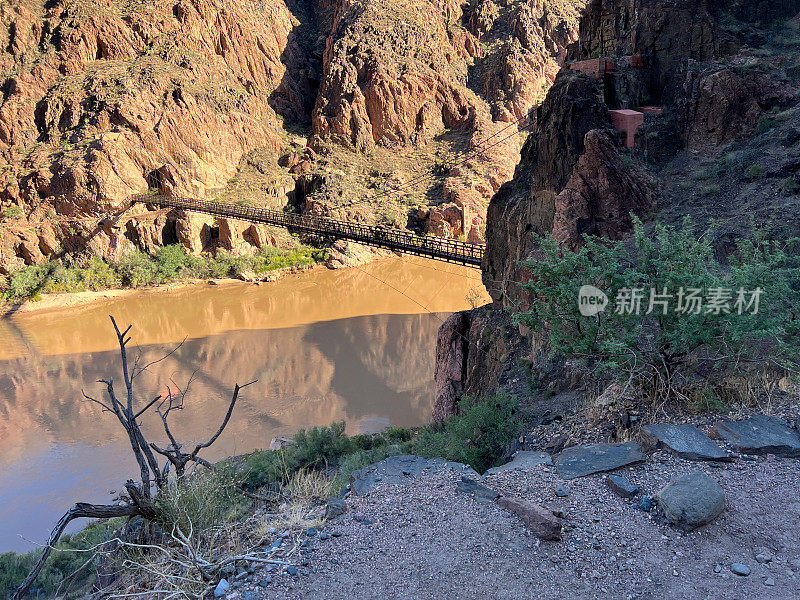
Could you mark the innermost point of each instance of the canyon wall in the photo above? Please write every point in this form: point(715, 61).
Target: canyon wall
point(694, 64)
point(102, 100)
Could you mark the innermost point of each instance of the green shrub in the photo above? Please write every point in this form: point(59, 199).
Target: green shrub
point(63, 279)
point(172, 262)
point(663, 345)
point(320, 446)
point(477, 435)
point(99, 275)
point(755, 172)
point(707, 400)
point(765, 123)
point(13, 212)
point(790, 186)
point(200, 501)
point(64, 561)
point(28, 282)
point(137, 269)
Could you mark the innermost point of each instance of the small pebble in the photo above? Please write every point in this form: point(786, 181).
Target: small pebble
point(292, 571)
point(769, 581)
point(740, 569)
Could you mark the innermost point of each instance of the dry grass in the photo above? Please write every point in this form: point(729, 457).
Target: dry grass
point(307, 485)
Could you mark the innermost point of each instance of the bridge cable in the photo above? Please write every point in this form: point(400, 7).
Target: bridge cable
point(425, 308)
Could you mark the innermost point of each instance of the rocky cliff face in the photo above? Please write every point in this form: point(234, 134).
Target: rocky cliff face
point(101, 100)
point(714, 79)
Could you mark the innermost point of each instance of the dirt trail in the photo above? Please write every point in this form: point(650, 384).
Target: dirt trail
point(430, 541)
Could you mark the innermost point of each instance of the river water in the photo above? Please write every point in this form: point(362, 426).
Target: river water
point(355, 345)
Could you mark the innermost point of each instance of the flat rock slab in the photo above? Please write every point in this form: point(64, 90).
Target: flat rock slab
point(476, 490)
point(401, 470)
point(525, 459)
point(761, 435)
point(580, 461)
point(621, 486)
point(686, 441)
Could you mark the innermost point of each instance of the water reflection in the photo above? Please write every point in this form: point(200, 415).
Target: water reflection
point(324, 347)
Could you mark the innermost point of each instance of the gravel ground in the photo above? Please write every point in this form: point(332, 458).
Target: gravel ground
point(428, 540)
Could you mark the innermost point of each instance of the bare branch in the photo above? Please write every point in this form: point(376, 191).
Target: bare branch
point(92, 511)
point(237, 388)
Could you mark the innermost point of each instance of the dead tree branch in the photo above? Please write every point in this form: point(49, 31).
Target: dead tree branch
point(138, 500)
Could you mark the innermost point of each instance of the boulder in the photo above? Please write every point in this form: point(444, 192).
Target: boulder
point(691, 500)
point(401, 470)
point(280, 442)
point(761, 434)
point(685, 440)
point(580, 461)
point(335, 507)
point(621, 486)
point(539, 520)
point(446, 220)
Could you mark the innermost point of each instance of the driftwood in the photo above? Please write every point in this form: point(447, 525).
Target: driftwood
point(137, 499)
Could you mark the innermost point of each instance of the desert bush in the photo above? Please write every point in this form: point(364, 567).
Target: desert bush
point(28, 282)
point(478, 435)
point(656, 343)
point(320, 446)
point(13, 212)
point(137, 269)
point(308, 485)
point(68, 557)
point(99, 275)
point(205, 499)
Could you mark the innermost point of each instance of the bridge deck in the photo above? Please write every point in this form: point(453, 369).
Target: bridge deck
point(393, 239)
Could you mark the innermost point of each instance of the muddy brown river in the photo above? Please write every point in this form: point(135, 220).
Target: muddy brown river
point(355, 345)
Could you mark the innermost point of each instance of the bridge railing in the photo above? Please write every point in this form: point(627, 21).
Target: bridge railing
point(393, 239)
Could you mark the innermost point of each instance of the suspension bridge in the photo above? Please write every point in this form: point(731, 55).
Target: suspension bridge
point(449, 250)
point(454, 251)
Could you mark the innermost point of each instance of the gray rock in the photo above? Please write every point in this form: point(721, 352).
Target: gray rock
point(686, 441)
point(740, 569)
point(769, 581)
point(580, 461)
point(335, 507)
point(222, 587)
point(621, 486)
point(691, 500)
point(476, 490)
point(401, 470)
point(562, 492)
point(525, 459)
point(761, 435)
point(645, 503)
point(264, 582)
point(291, 570)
